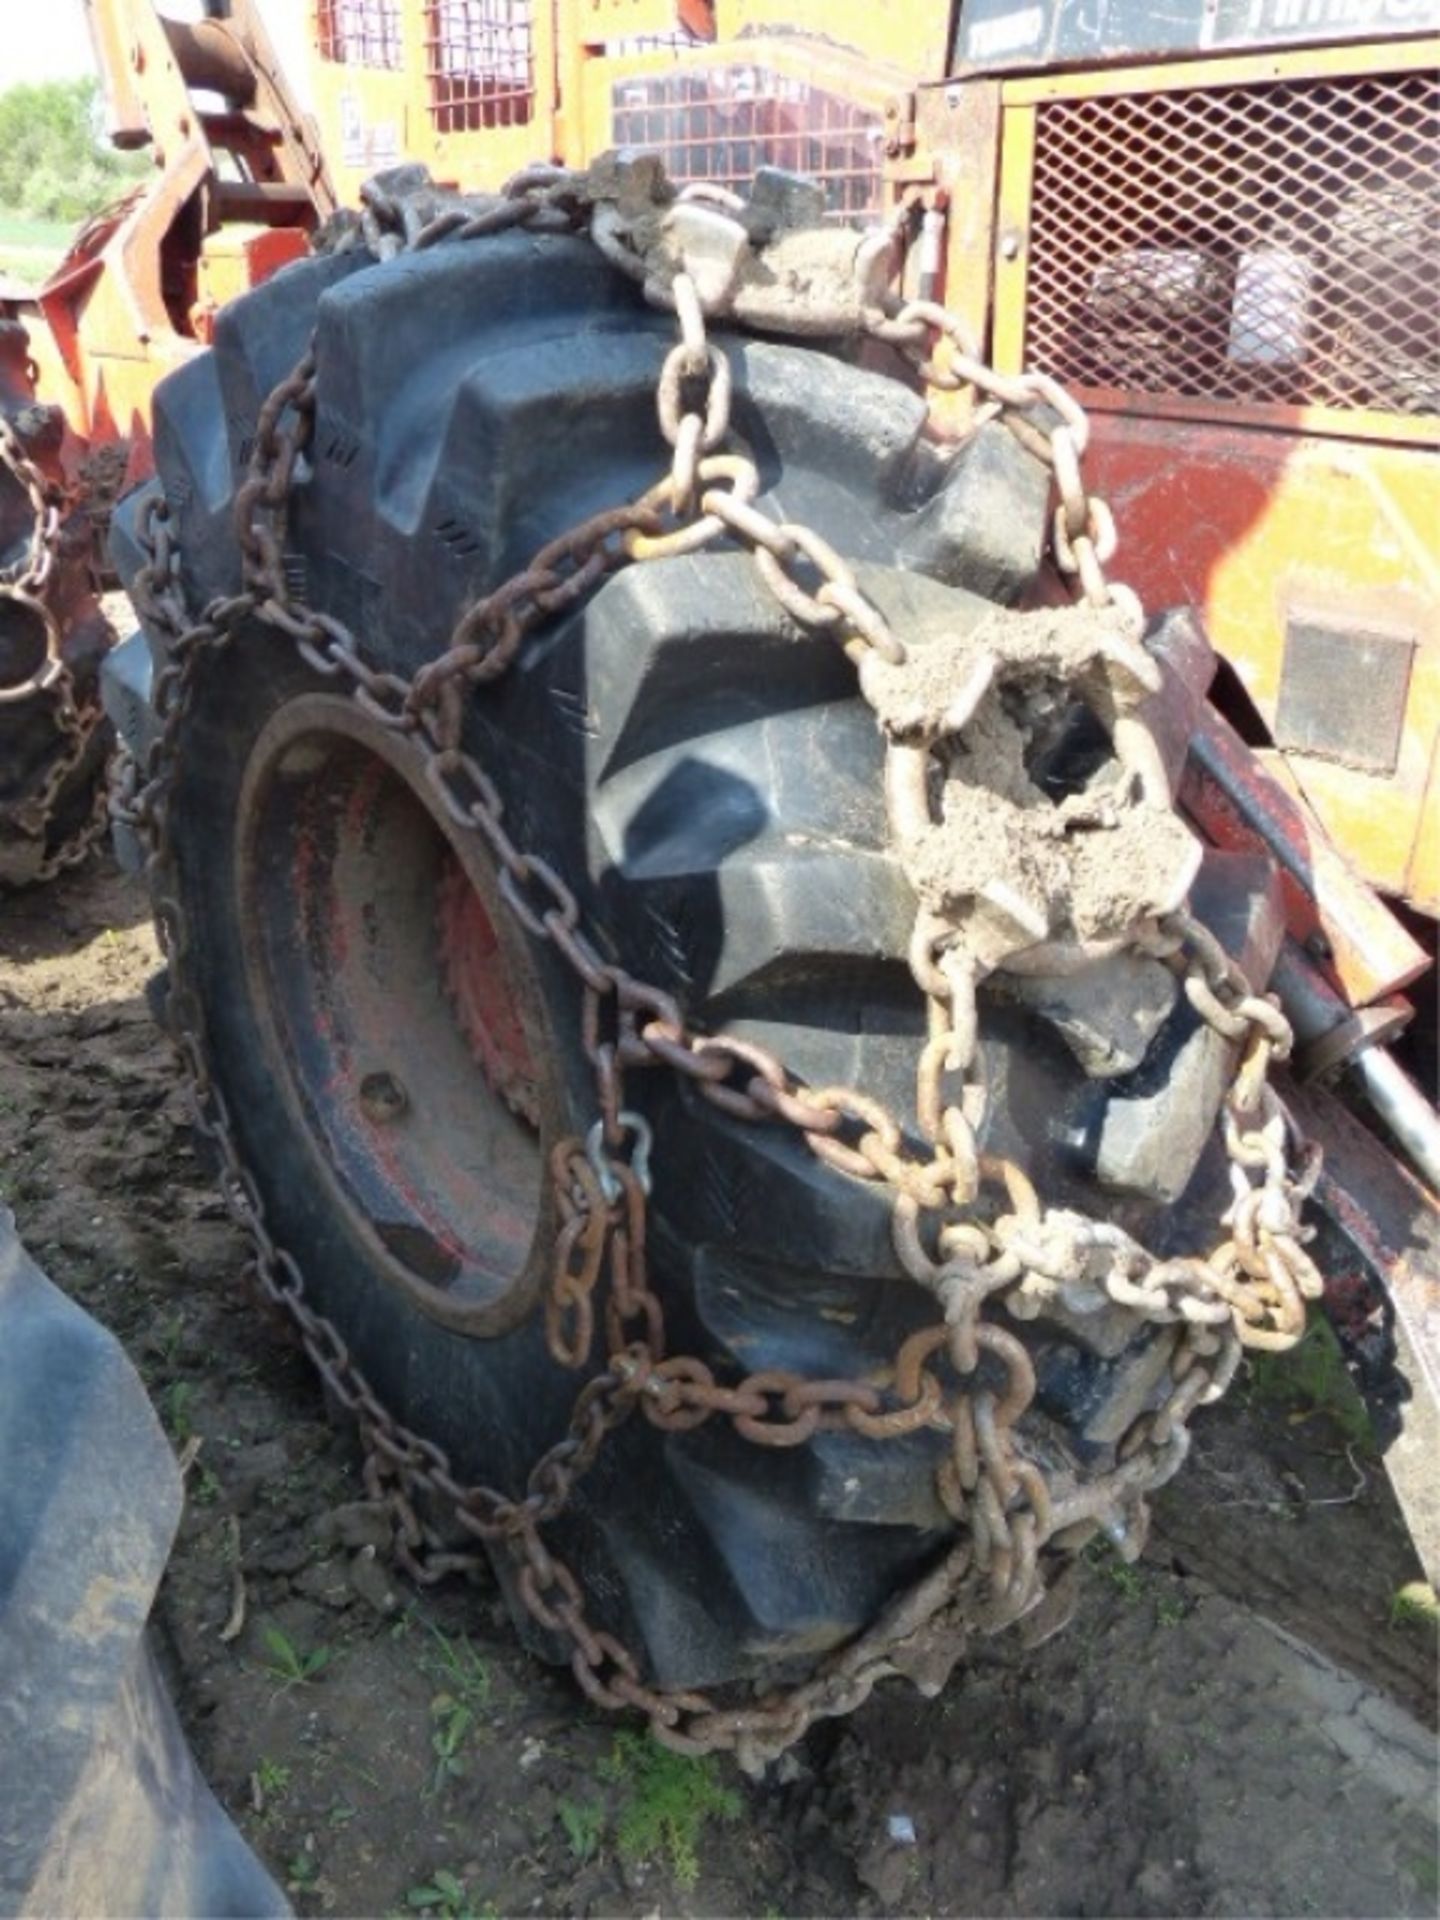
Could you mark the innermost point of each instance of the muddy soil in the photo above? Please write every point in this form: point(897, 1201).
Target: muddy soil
point(391, 1751)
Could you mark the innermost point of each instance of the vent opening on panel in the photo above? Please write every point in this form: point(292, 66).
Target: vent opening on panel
point(722, 123)
point(480, 64)
point(1272, 243)
point(360, 33)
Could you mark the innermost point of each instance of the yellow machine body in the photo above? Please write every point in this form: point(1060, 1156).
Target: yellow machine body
point(1231, 259)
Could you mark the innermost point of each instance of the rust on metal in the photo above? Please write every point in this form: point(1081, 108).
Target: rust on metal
point(136, 294)
point(1235, 797)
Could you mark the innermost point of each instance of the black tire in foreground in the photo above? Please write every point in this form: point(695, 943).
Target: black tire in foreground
point(398, 1057)
point(104, 1810)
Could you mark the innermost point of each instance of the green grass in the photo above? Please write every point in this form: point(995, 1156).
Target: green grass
point(273, 1778)
point(453, 1720)
point(205, 1488)
point(444, 1894)
point(1127, 1580)
point(1415, 1605)
point(1310, 1379)
point(584, 1824)
point(172, 1332)
point(178, 1399)
point(17, 231)
point(669, 1798)
point(288, 1663)
point(302, 1873)
point(270, 1785)
point(30, 250)
point(462, 1671)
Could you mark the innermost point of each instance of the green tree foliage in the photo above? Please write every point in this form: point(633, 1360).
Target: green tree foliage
point(54, 163)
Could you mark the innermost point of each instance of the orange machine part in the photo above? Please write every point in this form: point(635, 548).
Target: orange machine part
point(1273, 534)
point(236, 259)
point(1226, 260)
point(239, 180)
point(476, 92)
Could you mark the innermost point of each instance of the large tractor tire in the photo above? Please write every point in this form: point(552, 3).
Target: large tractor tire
point(54, 744)
point(398, 1056)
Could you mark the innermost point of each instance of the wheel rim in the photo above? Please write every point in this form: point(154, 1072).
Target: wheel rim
point(362, 908)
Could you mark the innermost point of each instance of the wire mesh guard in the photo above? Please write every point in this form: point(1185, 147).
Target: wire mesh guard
point(359, 33)
point(480, 64)
point(721, 123)
point(1271, 242)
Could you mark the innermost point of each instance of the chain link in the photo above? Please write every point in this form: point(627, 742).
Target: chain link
point(968, 1227)
point(31, 573)
point(1084, 536)
point(29, 583)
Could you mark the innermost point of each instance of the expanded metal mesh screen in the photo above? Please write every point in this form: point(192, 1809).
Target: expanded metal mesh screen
point(360, 33)
point(480, 63)
point(1273, 242)
point(721, 123)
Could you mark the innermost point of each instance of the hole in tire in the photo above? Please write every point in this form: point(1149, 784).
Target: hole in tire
point(371, 934)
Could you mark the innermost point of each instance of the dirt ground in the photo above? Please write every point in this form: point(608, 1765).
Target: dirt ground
point(388, 1751)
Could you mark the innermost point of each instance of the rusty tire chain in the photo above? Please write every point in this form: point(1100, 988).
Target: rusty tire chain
point(26, 581)
point(1248, 1292)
